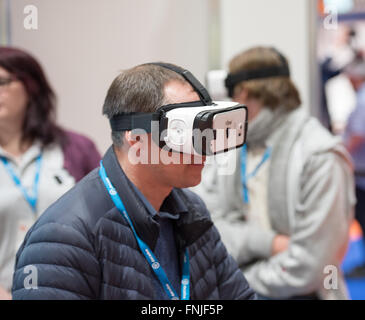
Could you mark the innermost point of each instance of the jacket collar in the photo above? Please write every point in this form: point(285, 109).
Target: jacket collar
point(190, 225)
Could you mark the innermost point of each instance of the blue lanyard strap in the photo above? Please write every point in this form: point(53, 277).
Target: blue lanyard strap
point(245, 177)
point(147, 252)
point(30, 198)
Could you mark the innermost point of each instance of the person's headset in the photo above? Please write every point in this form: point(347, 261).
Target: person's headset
point(199, 127)
point(244, 75)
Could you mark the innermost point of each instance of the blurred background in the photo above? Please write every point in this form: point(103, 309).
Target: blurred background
point(83, 44)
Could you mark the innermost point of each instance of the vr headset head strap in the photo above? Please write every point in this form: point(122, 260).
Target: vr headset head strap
point(127, 122)
point(198, 87)
point(130, 121)
point(275, 71)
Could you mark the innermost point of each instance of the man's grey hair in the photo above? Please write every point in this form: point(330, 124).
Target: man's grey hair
point(139, 89)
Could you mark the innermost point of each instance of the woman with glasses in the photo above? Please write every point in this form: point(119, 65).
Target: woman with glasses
point(39, 161)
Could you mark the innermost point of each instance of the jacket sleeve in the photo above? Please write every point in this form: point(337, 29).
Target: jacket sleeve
point(56, 262)
point(232, 285)
point(245, 242)
point(319, 235)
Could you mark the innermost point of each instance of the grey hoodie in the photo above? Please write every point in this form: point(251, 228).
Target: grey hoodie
point(310, 199)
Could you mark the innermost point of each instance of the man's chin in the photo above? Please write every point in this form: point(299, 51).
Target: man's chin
point(187, 185)
point(192, 179)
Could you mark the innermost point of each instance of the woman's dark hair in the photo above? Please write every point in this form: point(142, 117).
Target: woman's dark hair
point(40, 118)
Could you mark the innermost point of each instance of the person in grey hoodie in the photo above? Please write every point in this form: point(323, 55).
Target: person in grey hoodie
point(285, 208)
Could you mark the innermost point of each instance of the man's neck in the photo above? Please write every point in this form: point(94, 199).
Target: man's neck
point(153, 190)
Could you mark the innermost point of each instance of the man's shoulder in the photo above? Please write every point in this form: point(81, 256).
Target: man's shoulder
point(315, 138)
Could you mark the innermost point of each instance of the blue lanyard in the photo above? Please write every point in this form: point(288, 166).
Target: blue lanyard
point(244, 177)
point(30, 198)
point(147, 252)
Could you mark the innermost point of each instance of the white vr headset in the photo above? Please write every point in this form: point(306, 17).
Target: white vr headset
point(199, 128)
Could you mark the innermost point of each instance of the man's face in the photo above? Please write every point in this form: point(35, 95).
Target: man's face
point(13, 99)
point(177, 174)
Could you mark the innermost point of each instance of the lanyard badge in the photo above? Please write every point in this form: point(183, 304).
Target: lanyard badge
point(147, 252)
point(30, 198)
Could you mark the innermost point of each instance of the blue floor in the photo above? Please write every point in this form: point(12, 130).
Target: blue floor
point(355, 257)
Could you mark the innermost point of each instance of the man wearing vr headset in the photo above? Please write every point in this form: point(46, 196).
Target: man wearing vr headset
point(128, 230)
point(284, 214)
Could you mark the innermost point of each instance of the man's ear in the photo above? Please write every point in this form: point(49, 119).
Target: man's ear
point(136, 143)
point(131, 138)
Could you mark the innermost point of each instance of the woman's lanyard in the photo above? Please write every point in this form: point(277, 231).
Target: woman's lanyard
point(147, 252)
point(30, 198)
point(245, 177)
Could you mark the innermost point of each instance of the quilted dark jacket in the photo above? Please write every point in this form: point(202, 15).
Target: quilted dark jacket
point(83, 248)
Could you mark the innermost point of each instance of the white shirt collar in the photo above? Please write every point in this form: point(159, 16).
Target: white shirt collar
point(27, 157)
